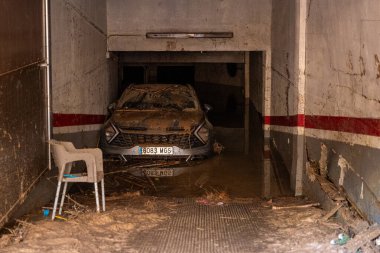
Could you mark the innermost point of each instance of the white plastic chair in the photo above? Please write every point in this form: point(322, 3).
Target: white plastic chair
point(64, 154)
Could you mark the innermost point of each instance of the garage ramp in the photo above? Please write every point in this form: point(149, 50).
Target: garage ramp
point(238, 227)
point(201, 228)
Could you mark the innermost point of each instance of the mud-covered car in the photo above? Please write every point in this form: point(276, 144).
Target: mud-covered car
point(157, 121)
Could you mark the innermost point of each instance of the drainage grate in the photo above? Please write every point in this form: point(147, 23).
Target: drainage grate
point(198, 228)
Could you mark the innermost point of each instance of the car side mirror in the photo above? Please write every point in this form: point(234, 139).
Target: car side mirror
point(111, 108)
point(207, 108)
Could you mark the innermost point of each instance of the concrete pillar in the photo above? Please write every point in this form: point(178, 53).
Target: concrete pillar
point(267, 84)
point(300, 65)
point(267, 87)
point(266, 190)
point(246, 104)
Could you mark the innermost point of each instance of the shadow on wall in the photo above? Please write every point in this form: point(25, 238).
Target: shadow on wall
point(256, 136)
point(227, 102)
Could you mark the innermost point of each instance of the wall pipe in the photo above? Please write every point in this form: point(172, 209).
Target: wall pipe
point(48, 75)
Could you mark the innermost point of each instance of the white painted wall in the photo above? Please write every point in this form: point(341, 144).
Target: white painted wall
point(342, 79)
point(130, 20)
point(342, 44)
point(283, 58)
point(83, 80)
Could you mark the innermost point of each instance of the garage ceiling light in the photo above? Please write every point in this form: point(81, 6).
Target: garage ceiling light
point(183, 35)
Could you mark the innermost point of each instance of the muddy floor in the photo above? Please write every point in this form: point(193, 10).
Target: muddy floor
point(221, 206)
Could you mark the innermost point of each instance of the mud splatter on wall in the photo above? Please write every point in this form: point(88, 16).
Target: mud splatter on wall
point(23, 149)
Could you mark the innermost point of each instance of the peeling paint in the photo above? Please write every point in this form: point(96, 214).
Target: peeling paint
point(362, 191)
point(323, 170)
point(349, 63)
point(344, 166)
point(311, 170)
point(362, 66)
point(377, 62)
point(274, 143)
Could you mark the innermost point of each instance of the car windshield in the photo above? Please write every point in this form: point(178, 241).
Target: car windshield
point(173, 97)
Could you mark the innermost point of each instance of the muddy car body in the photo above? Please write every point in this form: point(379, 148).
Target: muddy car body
point(157, 121)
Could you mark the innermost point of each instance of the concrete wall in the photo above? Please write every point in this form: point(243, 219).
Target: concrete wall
point(283, 53)
point(84, 81)
point(283, 78)
point(342, 94)
point(130, 20)
point(343, 58)
point(23, 124)
point(341, 107)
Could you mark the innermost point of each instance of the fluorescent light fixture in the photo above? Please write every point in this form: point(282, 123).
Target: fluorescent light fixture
point(184, 35)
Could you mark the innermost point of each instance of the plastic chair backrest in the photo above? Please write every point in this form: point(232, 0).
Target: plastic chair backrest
point(59, 153)
point(95, 151)
point(69, 146)
point(62, 151)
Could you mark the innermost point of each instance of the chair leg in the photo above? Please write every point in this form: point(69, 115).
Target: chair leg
point(56, 200)
point(97, 197)
point(63, 198)
point(103, 196)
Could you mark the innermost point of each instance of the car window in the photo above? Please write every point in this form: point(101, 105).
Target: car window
point(177, 98)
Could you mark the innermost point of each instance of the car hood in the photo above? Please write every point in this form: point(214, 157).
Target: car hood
point(157, 120)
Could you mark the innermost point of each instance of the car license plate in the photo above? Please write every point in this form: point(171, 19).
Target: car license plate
point(155, 150)
point(159, 172)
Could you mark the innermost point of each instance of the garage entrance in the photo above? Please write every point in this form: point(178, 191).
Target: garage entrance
point(283, 83)
point(175, 74)
point(220, 80)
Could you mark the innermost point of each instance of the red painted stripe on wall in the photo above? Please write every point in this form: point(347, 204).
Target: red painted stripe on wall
point(291, 121)
point(366, 126)
point(62, 120)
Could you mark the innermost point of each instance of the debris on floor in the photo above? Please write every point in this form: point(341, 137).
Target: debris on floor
point(323, 169)
point(88, 231)
point(214, 196)
point(15, 235)
point(342, 239)
point(295, 206)
point(332, 212)
point(377, 241)
point(124, 195)
point(365, 240)
point(218, 148)
point(345, 208)
point(161, 223)
point(218, 218)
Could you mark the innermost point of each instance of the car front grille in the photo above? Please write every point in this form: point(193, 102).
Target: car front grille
point(183, 141)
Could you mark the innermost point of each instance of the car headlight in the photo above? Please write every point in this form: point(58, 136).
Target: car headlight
point(110, 132)
point(203, 133)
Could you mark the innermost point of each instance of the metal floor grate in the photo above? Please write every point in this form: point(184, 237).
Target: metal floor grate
point(199, 228)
